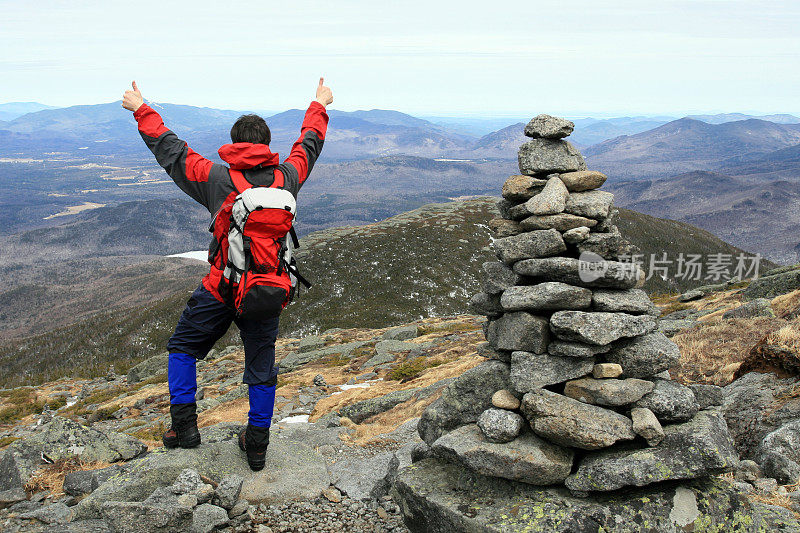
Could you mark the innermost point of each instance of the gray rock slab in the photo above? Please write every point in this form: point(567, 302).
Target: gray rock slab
point(644, 356)
point(696, 448)
point(547, 296)
point(527, 458)
point(540, 156)
point(440, 497)
point(584, 180)
point(591, 204)
point(140, 517)
point(519, 331)
point(541, 243)
point(647, 426)
point(530, 371)
point(572, 423)
point(599, 328)
point(772, 286)
point(707, 395)
point(208, 517)
point(363, 478)
point(463, 400)
point(401, 333)
point(607, 392)
point(633, 301)
point(670, 401)
point(497, 277)
point(148, 368)
point(520, 188)
point(486, 304)
point(575, 349)
point(608, 274)
point(562, 222)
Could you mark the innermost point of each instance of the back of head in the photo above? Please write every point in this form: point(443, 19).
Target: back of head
point(250, 129)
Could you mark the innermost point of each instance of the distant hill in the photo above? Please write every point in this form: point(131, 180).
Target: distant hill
point(12, 110)
point(502, 143)
point(721, 118)
point(687, 144)
point(758, 216)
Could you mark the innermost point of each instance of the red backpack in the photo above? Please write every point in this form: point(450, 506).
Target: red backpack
point(253, 244)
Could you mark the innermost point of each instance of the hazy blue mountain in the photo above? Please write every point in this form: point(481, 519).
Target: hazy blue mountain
point(685, 145)
point(722, 118)
point(12, 110)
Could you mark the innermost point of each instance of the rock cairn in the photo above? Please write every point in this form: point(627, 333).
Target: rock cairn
point(577, 391)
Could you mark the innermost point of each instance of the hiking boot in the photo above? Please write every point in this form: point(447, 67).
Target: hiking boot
point(183, 432)
point(254, 441)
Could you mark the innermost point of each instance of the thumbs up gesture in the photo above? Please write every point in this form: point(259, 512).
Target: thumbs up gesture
point(132, 99)
point(324, 94)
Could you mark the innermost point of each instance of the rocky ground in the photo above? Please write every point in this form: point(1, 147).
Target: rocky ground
point(84, 455)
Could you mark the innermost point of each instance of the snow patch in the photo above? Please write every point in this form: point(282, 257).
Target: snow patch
point(200, 255)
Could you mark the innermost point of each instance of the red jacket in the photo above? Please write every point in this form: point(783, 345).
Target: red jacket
point(210, 183)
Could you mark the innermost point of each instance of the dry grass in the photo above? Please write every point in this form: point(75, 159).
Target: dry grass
point(787, 338)
point(150, 435)
point(711, 354)
point(51, 477)
point(786, 304)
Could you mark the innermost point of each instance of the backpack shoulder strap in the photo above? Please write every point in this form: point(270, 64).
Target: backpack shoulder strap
point(239, 182)
point(278, 180)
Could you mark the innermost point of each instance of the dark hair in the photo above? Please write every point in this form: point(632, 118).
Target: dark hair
point(250, 129)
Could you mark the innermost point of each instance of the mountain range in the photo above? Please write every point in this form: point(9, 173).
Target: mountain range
point(380, 163)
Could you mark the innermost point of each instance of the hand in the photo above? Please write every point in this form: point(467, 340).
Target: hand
point(132, 100)
point(324, 94)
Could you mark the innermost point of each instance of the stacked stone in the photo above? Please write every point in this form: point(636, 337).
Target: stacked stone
point(579, 387)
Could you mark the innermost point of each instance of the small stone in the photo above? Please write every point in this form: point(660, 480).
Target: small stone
point(504, 228)
point(608, 392)
point(606, 370)
point(332, 494)
point(188, 500)
point(549, 127)
point(584, 180)
point(382, 514)
point(238, 509)
point(499, 425)
point(319, 381)
point(647, 426)
point(486, 350)
point(551, 200)
point(228, 491)
point(504, 399)
point(576, 235)
point(519, 188)
point(208, 517)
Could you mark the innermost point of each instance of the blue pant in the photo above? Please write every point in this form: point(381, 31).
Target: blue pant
point(201, 325)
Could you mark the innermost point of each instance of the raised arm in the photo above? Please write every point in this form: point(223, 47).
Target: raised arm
point(307, 148)
point(187, 169)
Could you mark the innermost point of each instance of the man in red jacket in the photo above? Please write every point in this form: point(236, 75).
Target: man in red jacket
point(207, 317)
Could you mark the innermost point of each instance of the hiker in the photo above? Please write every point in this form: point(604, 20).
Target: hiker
point(253, 275)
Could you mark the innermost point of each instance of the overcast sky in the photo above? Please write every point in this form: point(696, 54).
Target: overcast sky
point(423, 57)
